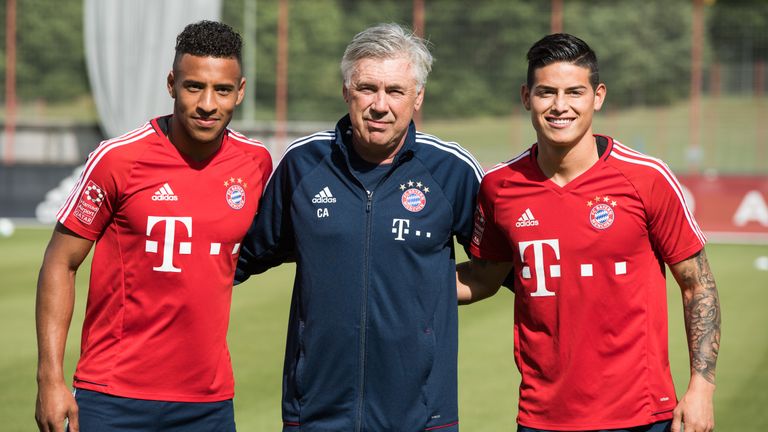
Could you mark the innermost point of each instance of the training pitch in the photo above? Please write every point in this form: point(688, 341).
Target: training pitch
point(488, 378)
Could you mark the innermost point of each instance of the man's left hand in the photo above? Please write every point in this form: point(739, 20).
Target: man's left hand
point(695, 411)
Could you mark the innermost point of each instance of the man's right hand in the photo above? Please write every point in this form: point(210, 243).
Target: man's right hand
point(55, 404)
point(478, 279)
point(53, 313)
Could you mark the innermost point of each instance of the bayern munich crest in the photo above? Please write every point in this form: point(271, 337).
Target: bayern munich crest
point(601, 214)
point(235, 192)
point(414, 198)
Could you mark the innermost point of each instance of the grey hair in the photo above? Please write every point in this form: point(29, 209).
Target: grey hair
point(387, 41)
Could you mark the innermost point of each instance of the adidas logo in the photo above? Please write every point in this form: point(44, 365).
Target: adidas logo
point(165, 193)
point(324, 197)
point(526, 219)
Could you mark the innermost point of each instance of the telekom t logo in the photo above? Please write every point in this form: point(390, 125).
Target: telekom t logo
point(402, 228)
point(185, 248)
point(538, 264)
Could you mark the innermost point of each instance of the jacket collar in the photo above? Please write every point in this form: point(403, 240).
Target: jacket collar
point(343, 140)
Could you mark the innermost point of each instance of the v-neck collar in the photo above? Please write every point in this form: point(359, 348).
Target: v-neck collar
point(600, 141)
point(160, 124)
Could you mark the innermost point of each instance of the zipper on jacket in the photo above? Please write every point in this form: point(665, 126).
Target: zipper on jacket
point(366, 281)
point(364, 310)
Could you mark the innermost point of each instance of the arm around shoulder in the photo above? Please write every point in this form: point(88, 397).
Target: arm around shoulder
point(269, 240)
point(478, 279)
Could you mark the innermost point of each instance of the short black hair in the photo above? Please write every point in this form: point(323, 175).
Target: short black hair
point(562, 47)
point(209, 39)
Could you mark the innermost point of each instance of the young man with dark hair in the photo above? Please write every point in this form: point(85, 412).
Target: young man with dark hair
point(167, 206)
point(587, 225)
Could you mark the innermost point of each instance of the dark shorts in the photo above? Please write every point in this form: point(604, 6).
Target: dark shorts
point(662, 426)
point(101, 412)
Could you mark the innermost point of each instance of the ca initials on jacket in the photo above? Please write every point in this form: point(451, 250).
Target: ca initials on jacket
point(166, 226)
point(543, 270)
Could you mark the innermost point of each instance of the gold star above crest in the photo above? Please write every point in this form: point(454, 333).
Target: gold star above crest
point(597, 198)
point(410, 183)
point(402, 187)
point(226, 184)
point(426, 189)
point(589, 203)
point(239, 180)
point(613, 203)
point(418, 184)
point(231, 179)
point(606, 199)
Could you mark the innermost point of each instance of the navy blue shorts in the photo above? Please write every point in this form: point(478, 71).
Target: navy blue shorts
point(101, 412)
point(662, 426)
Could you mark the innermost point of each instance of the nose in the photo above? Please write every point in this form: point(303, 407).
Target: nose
point(560, 103)
point(206, 104)
point(380, 103)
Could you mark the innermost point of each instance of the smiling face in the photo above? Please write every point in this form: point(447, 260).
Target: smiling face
point(382, 97)
point(206, 91)
point(562, 103)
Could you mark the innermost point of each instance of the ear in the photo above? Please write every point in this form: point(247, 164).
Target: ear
point(240, 91)
point(419, 99)
point(345, 93)
point(525, 96)
point(600, 93)
point(169, 82)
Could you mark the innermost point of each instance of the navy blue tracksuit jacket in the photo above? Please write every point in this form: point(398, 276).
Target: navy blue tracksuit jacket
point(372, 335)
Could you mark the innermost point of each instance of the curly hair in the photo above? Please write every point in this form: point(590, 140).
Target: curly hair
point(209, 39)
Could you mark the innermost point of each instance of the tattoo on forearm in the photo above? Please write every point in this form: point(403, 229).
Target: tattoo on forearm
point(701, 307)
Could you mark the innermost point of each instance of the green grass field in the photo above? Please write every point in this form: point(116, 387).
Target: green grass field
point(488, 378)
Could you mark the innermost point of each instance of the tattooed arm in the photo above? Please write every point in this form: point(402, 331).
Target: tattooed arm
point(701, 308)
point(478, 279)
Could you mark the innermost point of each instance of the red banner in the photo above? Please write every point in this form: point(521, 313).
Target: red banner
point(729, 208)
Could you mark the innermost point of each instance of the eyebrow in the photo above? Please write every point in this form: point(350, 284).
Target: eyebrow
point(546, 87)
point(187, 82)
point(389, 87)
point(395, 87)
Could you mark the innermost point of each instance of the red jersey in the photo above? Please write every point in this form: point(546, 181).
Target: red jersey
point(167, 232)
point(590, 303)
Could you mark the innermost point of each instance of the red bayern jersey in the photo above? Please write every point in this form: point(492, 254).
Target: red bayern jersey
point(167, 232)
point(590, 303)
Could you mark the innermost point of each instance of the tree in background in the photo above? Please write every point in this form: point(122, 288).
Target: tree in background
point(740, 43)
point(50, 64)
point(740, 33)
point(480, 53)
point(318, 32)
point(644, 49)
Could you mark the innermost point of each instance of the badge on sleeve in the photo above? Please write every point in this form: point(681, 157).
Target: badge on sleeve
point(90, 202)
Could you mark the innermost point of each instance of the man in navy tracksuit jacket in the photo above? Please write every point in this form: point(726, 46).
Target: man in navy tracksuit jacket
point(372, 336)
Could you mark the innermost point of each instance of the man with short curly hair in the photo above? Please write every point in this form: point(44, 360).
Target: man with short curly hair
point(167, 206)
